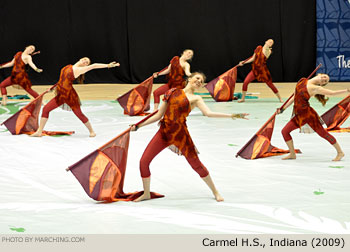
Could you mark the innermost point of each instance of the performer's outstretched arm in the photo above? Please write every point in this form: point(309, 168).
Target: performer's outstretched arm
point(156, 117)
point(8, 64)
point(156, 74)
point(324, 91)
point(207, 112)
point(241, 63)
point(83, 69)
point(29, 61)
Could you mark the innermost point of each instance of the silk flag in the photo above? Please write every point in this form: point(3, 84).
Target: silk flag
point(26, 120)
point(259, 146)
point(137, 100)
point(223, 87)
point(102, 172)
point(337, 115)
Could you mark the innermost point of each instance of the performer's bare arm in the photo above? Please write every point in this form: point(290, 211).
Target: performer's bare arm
point(241, 63)
point(81, 70)
point(156, 117)
point(8, 64)
point(207, 112)
point(166, 71)
point(28, 60)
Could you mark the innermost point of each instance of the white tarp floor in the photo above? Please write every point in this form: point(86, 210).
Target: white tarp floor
point(308, 195)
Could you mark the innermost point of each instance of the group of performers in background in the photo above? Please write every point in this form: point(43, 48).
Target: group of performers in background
point(179, 99)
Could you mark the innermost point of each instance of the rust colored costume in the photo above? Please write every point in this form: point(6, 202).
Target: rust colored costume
point(259, 68)
point(259, 71)
point(304, 114)
point(176, 75)
point(65, 93)
point(175, 79)
point(173, 133)
point(19, 77)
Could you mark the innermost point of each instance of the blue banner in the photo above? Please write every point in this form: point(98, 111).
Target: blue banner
point(333, 38)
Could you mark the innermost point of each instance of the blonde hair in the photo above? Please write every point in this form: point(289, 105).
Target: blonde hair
point(321, 98)
point(195, 73)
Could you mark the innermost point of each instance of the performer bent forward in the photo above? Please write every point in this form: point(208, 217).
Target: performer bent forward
point(173, 132)
point(19, 76)
point(304, 114)
point(259, 69)
point(66, 94)
point(176, 70)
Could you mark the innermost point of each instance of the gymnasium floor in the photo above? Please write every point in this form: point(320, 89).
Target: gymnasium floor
point(308, 195)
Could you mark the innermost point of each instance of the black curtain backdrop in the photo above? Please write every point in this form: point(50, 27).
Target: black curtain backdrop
point(144, 35)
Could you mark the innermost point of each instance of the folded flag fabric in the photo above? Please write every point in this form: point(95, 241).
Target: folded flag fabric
point(102, 172)
point(137, 101)
point(337, 115)
point(26, 120)
point(259, 146)
point(223, 87)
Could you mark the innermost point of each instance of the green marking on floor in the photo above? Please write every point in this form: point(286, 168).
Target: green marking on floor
point(60, 135)
point(336, 166)
point(114, 101)
point(232, 144)
point(318, 192)
point(20, 230)
point(5, 130)
point(10, 108)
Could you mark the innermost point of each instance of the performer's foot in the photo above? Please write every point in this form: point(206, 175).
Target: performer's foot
point(339, 156)
point(281, 101)
point(36, 134)
point(92, 134)
point(218, 197)
point(143, 197)
point(3, 103)
point(290, 156)
point(241, 100)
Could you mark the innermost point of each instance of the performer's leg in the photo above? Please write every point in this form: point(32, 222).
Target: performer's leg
point(202, 171)
point(84, 120)
point(324, 134)
point(290, 126)
point(32, 92)
point(274, 89)
point(157, 93)
point(51, 105)
point(5, 83)
point(156, 145)
point(248, 79)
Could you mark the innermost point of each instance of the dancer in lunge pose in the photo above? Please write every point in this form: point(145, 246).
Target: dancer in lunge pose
point(66, 94)
point(173, 132)
point(303, 113)
point(19, 76)
point(178, 68)
point(259, 69)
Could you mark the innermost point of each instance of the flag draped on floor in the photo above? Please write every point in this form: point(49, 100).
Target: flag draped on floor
point(102, 172)
point(259, 146)
point(223, 87)
point(137, 100)
point(337, 115)
point(26, 120)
